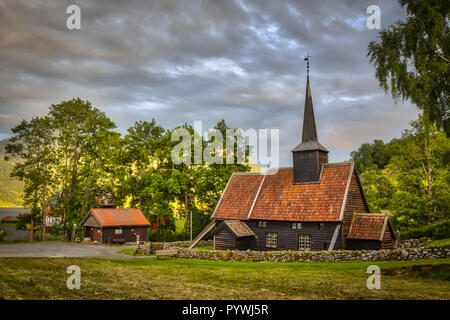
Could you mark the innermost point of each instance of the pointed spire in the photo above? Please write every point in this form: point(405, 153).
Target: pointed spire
point(309, 133)
point(309, 123)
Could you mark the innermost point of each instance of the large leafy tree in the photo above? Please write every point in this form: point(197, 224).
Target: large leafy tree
point(412, 58)
point(421, 174)
point(374, 155)
point(414, 183)
point(84, 140)
point(32, 145)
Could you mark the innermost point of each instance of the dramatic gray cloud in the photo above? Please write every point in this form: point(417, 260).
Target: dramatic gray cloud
point(179, 61)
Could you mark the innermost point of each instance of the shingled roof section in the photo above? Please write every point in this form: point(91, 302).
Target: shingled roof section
point(238, 196)
point(239, 228)
point(277, 198)
point(281, 200)
point(109, 217)
point(368, 226)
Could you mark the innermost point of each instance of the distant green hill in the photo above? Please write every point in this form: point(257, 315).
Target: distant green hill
point(11, 189)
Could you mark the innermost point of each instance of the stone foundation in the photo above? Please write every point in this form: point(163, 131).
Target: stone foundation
point(150, 247)
point(320, 256)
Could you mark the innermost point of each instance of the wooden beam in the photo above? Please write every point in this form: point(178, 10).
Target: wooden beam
point(335, 235)
point(203, 233)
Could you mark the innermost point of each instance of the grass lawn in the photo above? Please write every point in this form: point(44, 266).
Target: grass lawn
point(171, 278)
point(440, 242)
point(204, 247)
point(130, 252)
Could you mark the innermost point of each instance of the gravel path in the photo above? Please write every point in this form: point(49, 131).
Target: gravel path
point(55, 249)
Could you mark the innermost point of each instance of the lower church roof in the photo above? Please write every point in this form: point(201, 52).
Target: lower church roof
point(275, 197)
point(368, 226)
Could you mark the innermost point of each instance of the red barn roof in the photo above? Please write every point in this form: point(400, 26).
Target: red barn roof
point(275, 197)
point(109, 217)
point(368, 226)
point(9, 218)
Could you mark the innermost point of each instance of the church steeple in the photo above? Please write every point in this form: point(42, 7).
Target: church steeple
point(309, 155)
point(309, 123)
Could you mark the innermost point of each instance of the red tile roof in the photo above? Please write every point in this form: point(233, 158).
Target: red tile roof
point(108, 217)
point(238, 196)
point(368, 226)
point(239, 228)
point(279, 199)
point(9, 218)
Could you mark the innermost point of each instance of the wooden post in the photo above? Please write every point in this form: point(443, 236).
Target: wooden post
point(191, 227)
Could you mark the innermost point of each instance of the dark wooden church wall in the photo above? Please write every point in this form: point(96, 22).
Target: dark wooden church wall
point(355, 203)
point(287, 238)
point(224, 239)
point(356, 244)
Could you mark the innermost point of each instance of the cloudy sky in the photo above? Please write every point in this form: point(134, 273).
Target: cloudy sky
point(179, 61)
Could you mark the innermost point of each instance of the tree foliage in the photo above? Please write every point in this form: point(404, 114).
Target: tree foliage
point(71, 157)
point(412, 58)
point(413, 183)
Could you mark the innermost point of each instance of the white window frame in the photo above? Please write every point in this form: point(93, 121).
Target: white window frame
point(304, 242)
point(296, 225)
point(271, 239)
point(118, 231)
point(262, 224)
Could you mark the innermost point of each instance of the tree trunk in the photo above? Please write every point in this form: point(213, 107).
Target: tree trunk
point(43, 215)
point(32, 229)
point(186, 214)
point(429, 174)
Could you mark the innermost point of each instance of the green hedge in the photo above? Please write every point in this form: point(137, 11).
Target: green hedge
point(438, 230)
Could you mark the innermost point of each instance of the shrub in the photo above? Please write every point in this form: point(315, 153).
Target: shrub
point(437, 230)
point(2, 234)
point(158, 236)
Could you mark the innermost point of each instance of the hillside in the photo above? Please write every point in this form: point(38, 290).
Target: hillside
point(11, 189)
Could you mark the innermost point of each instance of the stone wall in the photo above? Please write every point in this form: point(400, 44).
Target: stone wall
point(150, 247)
point(322, 256)
point(414, 243)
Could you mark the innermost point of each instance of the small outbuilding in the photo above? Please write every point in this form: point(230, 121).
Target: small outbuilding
point(109, 225)
point(370, 231)
point(9, 219)
point(234, 235)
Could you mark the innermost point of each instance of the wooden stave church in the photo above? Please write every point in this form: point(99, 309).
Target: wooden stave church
point(315, 205)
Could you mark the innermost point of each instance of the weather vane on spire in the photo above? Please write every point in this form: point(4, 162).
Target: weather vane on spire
point(307, 63)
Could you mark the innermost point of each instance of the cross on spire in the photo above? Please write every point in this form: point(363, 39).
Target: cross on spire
point(307, 63)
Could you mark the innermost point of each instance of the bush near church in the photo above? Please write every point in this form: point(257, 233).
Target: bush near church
point(438, 230)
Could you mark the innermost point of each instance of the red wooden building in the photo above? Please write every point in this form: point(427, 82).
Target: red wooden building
point(109, 225)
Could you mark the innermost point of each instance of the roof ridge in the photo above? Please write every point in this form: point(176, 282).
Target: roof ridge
point(371, 214)
point(256, 197)
point(247, 174)
point(337, 164)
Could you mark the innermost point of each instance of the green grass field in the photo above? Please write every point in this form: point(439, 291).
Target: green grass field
point(130, 252)
point(440, 242)
point(170, 278)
